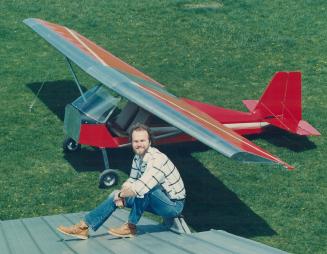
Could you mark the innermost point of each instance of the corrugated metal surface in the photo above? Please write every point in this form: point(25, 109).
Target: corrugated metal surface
point(39, 235)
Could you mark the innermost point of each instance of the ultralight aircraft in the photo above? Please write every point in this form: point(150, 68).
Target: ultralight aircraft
point(94, 118)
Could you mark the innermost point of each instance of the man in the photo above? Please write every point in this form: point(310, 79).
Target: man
point(154, 185)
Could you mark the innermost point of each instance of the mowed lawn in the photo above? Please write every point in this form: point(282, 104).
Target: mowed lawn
point(219, 52)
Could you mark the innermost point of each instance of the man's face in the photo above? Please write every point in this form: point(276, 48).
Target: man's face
point(140, 142)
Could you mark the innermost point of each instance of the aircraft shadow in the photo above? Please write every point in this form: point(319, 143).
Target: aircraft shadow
point(281, 138)
point(90, 159)
point(210, 204)
point(56, 94)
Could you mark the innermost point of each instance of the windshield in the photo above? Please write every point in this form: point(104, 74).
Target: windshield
point(97, 103)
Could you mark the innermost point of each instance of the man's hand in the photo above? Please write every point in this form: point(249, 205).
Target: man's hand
point(120, 195)
point(119, 201)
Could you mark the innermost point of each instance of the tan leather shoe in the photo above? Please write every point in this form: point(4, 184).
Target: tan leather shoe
point(126, 230)
point(80, 230)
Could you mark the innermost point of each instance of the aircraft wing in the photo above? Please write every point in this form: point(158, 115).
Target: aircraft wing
point(149, 94)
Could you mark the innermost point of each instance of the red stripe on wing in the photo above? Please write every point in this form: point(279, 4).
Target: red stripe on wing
point(97, 52)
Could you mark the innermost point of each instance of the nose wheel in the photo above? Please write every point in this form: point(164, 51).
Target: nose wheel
point(109, 177)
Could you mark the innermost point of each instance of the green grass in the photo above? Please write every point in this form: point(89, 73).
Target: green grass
point(218, 52)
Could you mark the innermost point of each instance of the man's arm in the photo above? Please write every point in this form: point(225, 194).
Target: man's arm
point(126, 190)
point(153, 175)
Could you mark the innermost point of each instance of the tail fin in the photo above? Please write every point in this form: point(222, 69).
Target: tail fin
point(281, 104)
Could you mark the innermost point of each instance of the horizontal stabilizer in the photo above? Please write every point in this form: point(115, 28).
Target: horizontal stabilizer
point(250, 104)
point(304, 128)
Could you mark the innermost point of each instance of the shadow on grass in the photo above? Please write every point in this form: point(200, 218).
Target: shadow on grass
point(281, 138)
point(210, 204)
point(56, 94)
point(88, 159)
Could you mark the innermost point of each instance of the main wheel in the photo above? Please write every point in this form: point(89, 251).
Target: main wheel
point(69, 145)
point(108, 178)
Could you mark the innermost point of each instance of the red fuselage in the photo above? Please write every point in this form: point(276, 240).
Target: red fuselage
point(244, 123)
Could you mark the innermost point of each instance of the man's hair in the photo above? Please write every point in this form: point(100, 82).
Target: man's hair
point(140, 127)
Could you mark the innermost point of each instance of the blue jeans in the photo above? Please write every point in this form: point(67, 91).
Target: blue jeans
point(155, 201)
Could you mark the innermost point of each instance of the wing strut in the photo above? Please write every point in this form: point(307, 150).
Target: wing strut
point(70, 67)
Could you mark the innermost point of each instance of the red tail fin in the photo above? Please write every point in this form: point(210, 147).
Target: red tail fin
point(281, 104)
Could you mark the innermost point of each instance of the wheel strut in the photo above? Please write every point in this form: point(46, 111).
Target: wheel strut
point(108, 177)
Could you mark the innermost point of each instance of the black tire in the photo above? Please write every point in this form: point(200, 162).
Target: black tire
point(108, 178)
point(69, 145)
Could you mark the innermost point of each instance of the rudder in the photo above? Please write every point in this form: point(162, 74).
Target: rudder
point(282, 97)
point(281, 104)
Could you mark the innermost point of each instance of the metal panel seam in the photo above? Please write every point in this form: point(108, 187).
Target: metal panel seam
point(173, 244)
point(5, 238)
point(210, 243)
point(31, 236)
point(247, 241)
point(103, 246)
point(140, 247)
point(57, 234)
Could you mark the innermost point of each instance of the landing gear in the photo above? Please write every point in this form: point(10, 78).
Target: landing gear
point(108, 177)
point(69, 145)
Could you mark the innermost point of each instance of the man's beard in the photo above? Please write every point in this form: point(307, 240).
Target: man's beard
point(143, 153)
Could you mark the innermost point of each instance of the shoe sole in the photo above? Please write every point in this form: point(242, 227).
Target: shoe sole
point(122, 236)
point(77, 236)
